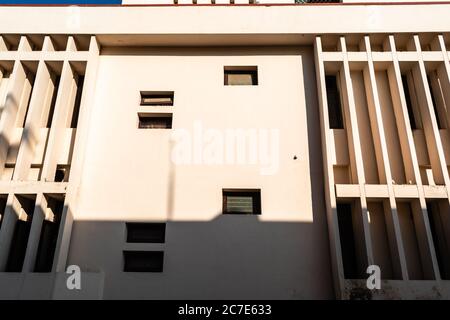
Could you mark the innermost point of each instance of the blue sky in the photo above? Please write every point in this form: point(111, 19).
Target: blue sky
point(60, 1)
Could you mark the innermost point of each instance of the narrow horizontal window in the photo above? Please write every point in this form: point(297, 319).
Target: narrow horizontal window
point(143, 261)
point(155, 120)
point(241, 76)
point(239, 201)
point(146, 232)
point(157, 98)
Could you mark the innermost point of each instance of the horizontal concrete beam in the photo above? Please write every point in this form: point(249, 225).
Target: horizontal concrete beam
point(221, 20)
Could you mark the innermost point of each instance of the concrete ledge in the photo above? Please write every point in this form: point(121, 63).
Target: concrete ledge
point(377, 191)
point(406, 191)
point(347, 191)
point(247, 19)
point(435, 192)
point(398, 290)
point(45, 286)
point(91, 287)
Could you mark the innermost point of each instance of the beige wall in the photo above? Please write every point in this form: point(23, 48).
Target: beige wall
point(129, 176)
point(123, 174)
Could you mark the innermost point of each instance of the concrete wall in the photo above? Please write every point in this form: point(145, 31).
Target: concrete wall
point(129, 176)
point(120, 173)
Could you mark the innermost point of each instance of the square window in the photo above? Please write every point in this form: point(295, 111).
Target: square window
point(155, 120)
point(241, 201)
point(241, 76)
point(146, 232)
point(143, 261)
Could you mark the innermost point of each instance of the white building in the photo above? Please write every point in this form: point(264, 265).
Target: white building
point(130, 136)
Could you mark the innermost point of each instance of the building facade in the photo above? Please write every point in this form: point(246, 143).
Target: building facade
point(244, 150)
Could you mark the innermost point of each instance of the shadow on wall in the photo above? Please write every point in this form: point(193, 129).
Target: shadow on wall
point(230, 257)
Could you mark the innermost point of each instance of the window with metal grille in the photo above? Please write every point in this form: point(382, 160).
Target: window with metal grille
point(241, 201)
point(157, 98)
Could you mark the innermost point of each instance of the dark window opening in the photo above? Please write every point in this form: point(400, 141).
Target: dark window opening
point(438, 233)
point(347, 238)
point(241, 201)
point(334, 103)
point(241, 76)
point(146, 232)
point(62, 173)
point(53, 102)
point(435, 107)
point(412, 118)
point(21, 233)
point(3, 199)
point(49, 235)
point(143, 261)
point(30, 79)
point(76, 107)
point(157, 98)
point(155, 121)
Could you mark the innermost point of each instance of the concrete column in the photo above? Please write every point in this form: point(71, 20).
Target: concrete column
point(383, 163)
point(40, 101)
point(354, 140)
point(14, 102)
point(436, 153)
point(330, 198)
point(77, 163)
point(65, 97)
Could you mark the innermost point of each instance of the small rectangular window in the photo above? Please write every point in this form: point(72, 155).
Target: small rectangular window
point(143, 261)
point(334, 103)
point(240, 201)
point(155, 120)
point(241, 76)
point(146, 232)
point(157, 98)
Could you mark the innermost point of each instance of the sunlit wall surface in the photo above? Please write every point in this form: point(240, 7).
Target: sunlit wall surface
point(225, 152)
